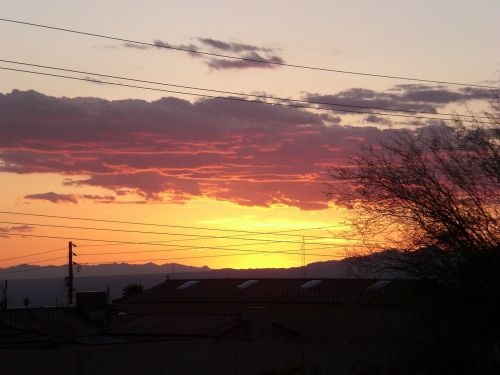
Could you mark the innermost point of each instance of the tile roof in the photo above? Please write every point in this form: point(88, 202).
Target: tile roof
point(54, 322)
point(191, 325)
point(328, 291)
point(11, 336)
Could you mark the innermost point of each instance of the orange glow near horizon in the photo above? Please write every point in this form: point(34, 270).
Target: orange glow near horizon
point(213, 142)
point(180, 246)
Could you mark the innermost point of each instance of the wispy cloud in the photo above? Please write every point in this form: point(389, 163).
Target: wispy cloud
point(252, 61)
point(52, 197)
point(241, 50)
point(5, 231)
point(70, 198)
point(232, 46)
point(405, 97)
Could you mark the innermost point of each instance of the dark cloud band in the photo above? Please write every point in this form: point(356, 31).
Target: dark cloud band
point(173, 150)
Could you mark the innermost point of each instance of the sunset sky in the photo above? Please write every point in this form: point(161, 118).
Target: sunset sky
point(205, 166)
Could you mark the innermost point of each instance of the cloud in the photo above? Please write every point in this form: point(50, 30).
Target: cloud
point(220, 64)
point(98, 198)
point(70, 198)
point(162, 44)
point(20, 228)
point(52, 197)
point(4, 231)
point(136, 46)
point(405, 97)
point(172, 150)
point(233, 47)
point(244, 51)
point(374, 119)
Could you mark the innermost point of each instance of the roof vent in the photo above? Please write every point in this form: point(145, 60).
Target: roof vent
point(188, 284)
point(247, 283)
point(378, 285)
point(310, 284)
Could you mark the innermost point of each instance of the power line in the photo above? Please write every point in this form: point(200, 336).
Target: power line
point(32, 254)
point(278, 233)
point(251, 252)
point(330, 246)
point(134, 260)
point(232, 57)
point(260, 242)
point(239, 93)
point(158, 244)
point(166, 259)
point(36, 262)
point(224, 97)
point(246, 252)
point(29, 270)
point(176, 258)
point(224, 247)
point(47, 260)
point(279, 252)
point(159, 233)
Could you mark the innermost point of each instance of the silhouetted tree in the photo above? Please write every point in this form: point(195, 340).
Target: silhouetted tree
point(431, 193)
point(131, 289)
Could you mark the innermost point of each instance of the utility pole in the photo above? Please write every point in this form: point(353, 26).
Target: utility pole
point(70, 272)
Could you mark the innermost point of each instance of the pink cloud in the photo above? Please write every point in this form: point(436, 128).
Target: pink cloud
point(4, 231)
point(175, 150)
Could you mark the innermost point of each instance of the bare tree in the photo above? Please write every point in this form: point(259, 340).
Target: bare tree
point(430, 193)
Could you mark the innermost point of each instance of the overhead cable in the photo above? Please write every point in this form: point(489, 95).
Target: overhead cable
point(313, 102)
point(274, 233)
point(159, 233)
point(234, 99)
point(232, 57)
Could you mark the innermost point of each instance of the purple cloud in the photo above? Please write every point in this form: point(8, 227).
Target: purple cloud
point(53, 197)
point(405, 97)
point(70, 198)
point(245, 51)
point(173, 150)
point(233, 47)
point(252, 61)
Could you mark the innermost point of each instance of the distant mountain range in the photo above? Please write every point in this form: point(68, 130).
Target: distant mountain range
point(345, 268)
point(27, 271)
point(44, 285)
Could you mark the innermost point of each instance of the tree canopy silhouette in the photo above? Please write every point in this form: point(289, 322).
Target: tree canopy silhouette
point(431, 193)
point(131, 289)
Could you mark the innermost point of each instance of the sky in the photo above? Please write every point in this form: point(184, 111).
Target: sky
point(205, 166)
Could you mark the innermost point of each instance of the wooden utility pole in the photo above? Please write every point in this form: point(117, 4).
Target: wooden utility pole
point(70, 272)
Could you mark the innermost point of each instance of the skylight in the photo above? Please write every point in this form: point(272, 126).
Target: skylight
point(310, 284)
point(378, 285)
point(188, 284)
point(247, 283)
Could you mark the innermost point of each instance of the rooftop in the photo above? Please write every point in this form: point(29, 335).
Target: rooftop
point(193, 325)
point(44, 324)
point(309, 291)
